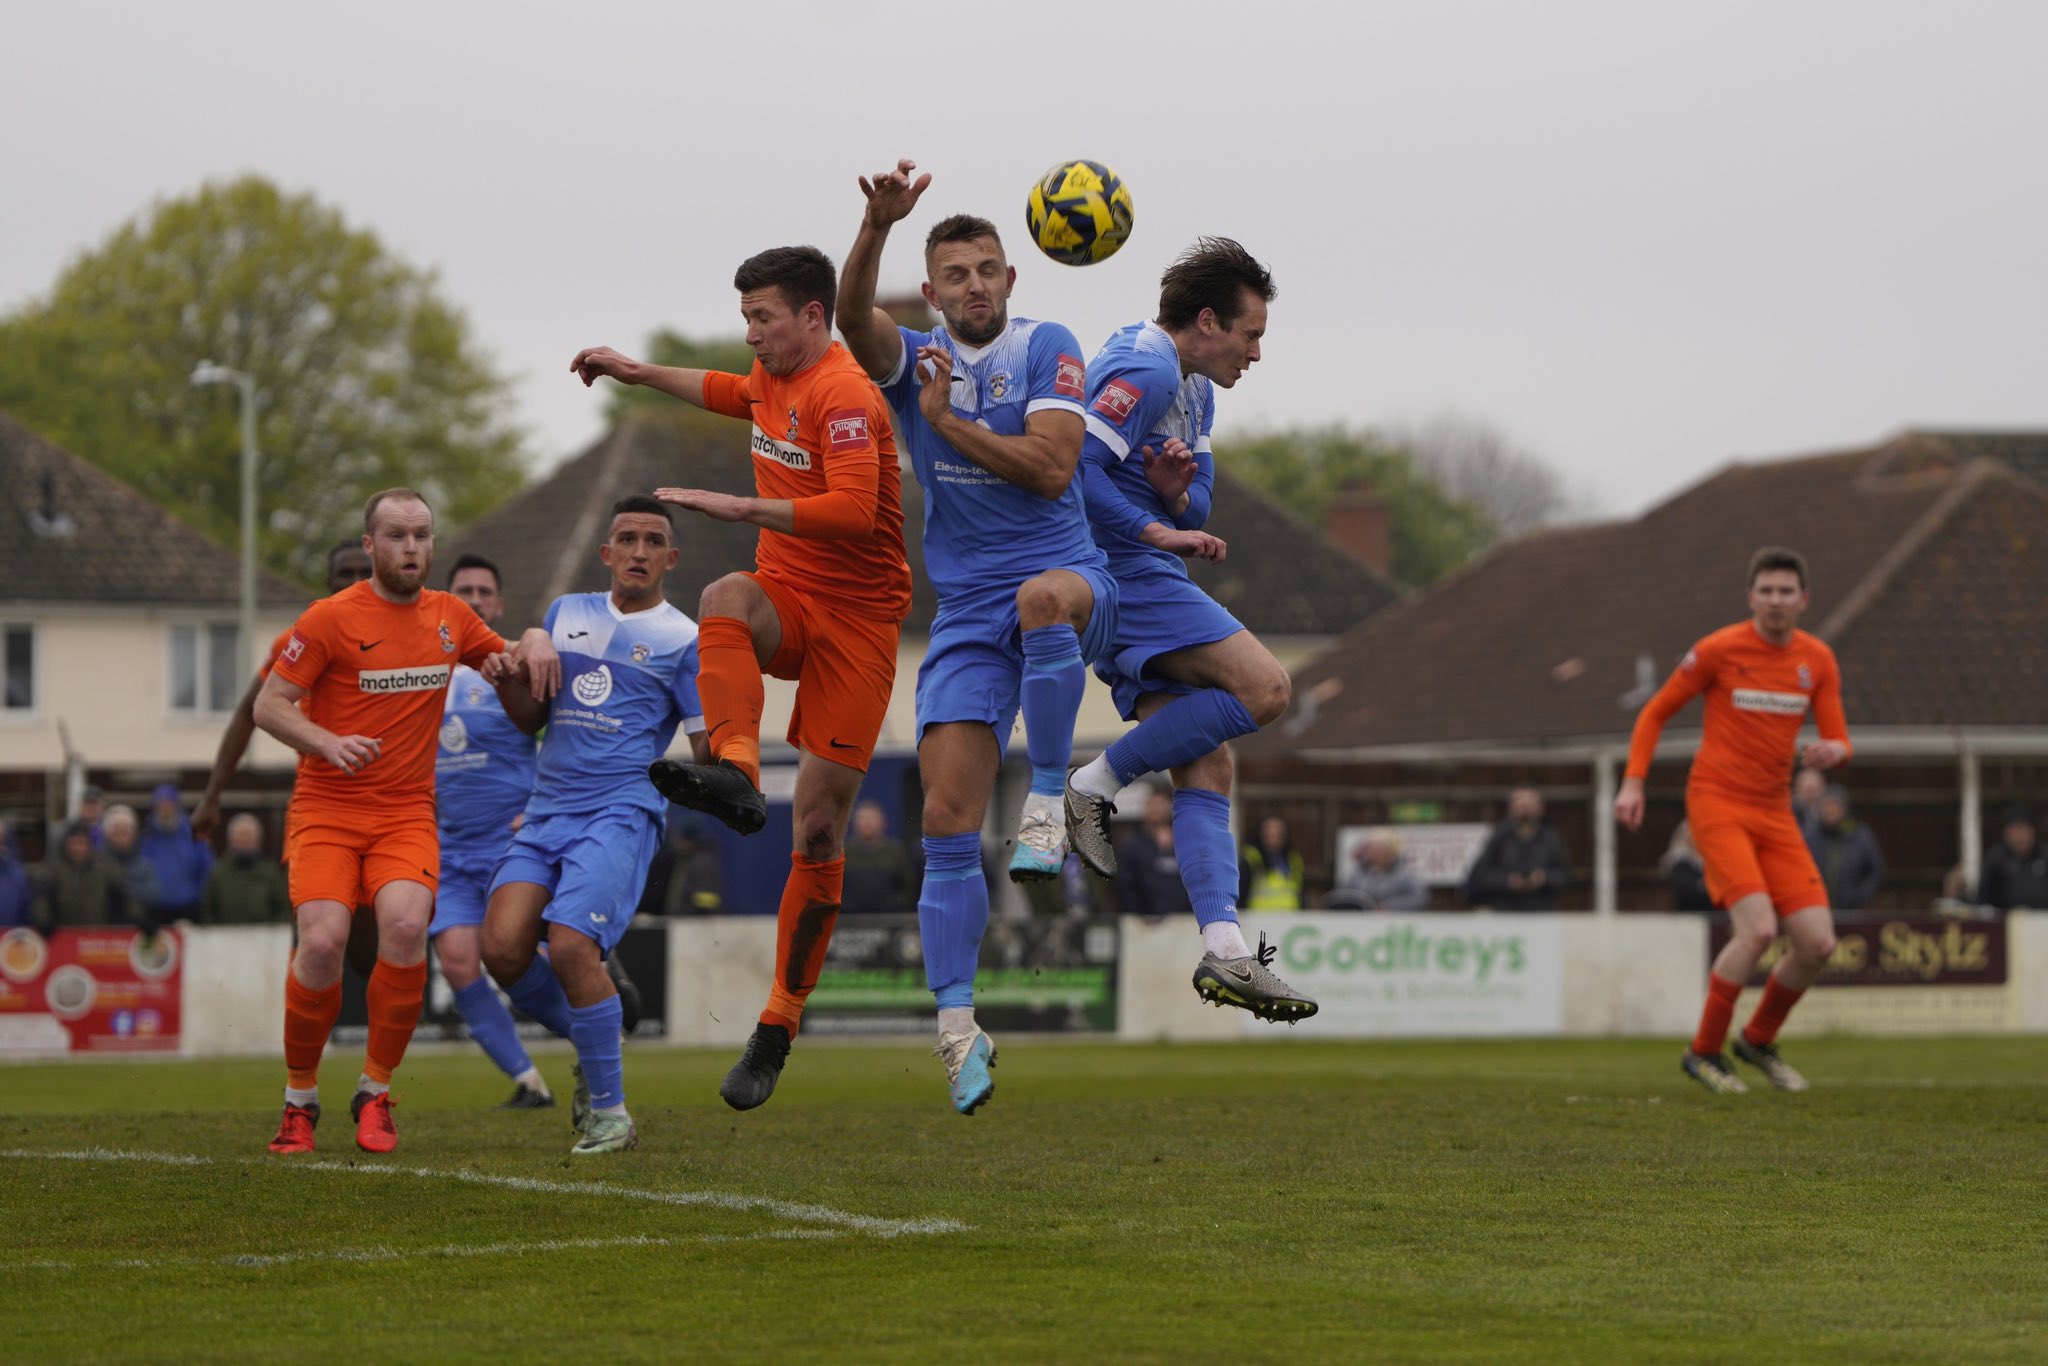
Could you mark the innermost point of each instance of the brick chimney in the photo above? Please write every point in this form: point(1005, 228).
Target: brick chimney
point(1358, 521)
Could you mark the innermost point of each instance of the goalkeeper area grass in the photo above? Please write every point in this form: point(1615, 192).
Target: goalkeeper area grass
point(1557, 1201)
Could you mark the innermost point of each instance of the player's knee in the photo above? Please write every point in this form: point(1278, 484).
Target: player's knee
point(1754, 940)
point(817, 836)
point(459, 961)
point(318, 957)
point(1817, 952)
point(1267, 694)
point(402, 938)
point(1039, 604)
point(505, 956)
point(726, 597)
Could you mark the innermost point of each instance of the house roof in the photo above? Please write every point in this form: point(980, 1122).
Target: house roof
point(71, 533)
point(1929, 571)
point(1281, 577)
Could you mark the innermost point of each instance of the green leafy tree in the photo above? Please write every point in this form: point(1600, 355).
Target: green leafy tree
point(1305, 468)
point(366, 377)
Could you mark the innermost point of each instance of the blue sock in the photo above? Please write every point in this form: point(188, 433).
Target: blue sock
point(1180, 732)
point(1054, 679)
point(595, 1032)
point(1208, 854)
point(952, 912)
point(490, 1024)
point(541, 996)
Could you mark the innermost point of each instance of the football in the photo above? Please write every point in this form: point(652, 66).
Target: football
point(1079, 213)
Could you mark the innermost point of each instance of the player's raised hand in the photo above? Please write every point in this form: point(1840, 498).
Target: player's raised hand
point(1824, 754)
point(535, 657)
point(593, 361)
point(723, 507)
point(1189, 545)
point(351, 753)
point(1628, 804)
point(893, 194)
point(935, 396)
point(205, 818)
point(1170, 469)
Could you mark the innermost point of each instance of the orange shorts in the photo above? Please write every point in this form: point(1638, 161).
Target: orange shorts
point(844, 666)
point(1749, 848)
point(350, 856)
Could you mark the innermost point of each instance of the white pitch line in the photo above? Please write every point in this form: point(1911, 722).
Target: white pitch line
point(869, 1224)
point(392, 1254)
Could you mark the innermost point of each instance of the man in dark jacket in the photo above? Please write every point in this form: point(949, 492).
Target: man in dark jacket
point(246, 886)
point(85, 888)
point(1148, 881)
point(180, 860)
point(1522, 867)
point(1846, 853)
point(2016, 868)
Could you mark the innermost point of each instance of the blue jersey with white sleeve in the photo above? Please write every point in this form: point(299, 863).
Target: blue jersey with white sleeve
point(980, 530)
point(483, 771)
point(628, 680)
point(1137, 397)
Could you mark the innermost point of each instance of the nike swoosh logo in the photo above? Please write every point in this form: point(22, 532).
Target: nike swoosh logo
point(841, 744)
point(578, 635)
point(1234, 974)
point(370, 645)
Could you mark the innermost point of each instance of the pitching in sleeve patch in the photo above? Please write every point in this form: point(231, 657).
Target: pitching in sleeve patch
point(1117, 400)
point(1070, 378)
point(846, 430)
point(293, 648)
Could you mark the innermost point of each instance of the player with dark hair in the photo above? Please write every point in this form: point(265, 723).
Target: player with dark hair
point(575, 868)
point(1181, 666)
point(1760, 678)
point(483, 775)
point(990, 411)
point(824, 605)
point(370, 665)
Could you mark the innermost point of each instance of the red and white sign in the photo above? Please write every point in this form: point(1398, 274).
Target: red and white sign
point(90, 991)
point(846, 431)
point(293, 648)
point(1117, 400)
point(1070, 380)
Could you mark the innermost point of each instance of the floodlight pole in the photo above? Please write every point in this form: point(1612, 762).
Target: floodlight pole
point(206, 372)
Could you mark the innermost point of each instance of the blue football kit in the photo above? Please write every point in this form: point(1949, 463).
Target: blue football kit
point(594, 822)
point(483, 774)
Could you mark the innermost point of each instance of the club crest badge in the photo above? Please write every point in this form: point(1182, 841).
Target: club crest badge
point(447, 640)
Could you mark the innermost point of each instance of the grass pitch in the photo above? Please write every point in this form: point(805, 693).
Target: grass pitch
point(1553, 1201)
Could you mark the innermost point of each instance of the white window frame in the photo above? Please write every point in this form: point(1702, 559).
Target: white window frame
point(200, 631)
point(35, 671)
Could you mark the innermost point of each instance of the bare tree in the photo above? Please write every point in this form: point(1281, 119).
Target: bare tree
point(1476, 463)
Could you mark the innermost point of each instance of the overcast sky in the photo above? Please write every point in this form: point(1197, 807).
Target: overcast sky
point(1639, 238)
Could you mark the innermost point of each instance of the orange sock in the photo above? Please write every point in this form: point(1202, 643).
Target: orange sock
point(1771, 1011)
point(309, 1018)
point(803, 931)
point(729, 685)
point(1720, 1009)
point(394, 1001)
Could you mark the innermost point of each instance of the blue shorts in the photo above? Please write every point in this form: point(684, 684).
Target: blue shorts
point(465, 888)
point(593, 863)
point(974, 665)
point(1159, 610)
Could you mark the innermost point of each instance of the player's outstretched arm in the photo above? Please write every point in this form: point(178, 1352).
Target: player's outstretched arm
point(277, 712)
point(870, 333)
point(234, 743)
point(1040, 459)
point(595, 362)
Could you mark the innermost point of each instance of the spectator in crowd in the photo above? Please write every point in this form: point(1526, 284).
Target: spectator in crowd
point(179, 859)
point(1846, 852)
point(1809, 785)
point(2015, 871)
point(92, 809)
point(687, 876)
point(1683, 868)
point(1147, 869)
point(1379, 879)
point(1270, 875)
point(878, 872)
point(121, 841)
point(246, 886)
point(85, 887)
point(17, 893)
point(1522, 867)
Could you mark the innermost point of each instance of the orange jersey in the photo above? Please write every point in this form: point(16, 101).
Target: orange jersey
point(377, 668)
point(823, 440)
point(1757, 694)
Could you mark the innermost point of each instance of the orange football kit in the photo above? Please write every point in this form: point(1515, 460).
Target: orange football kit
point(1738, 793)
point(379, 669)
point(841, 588)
